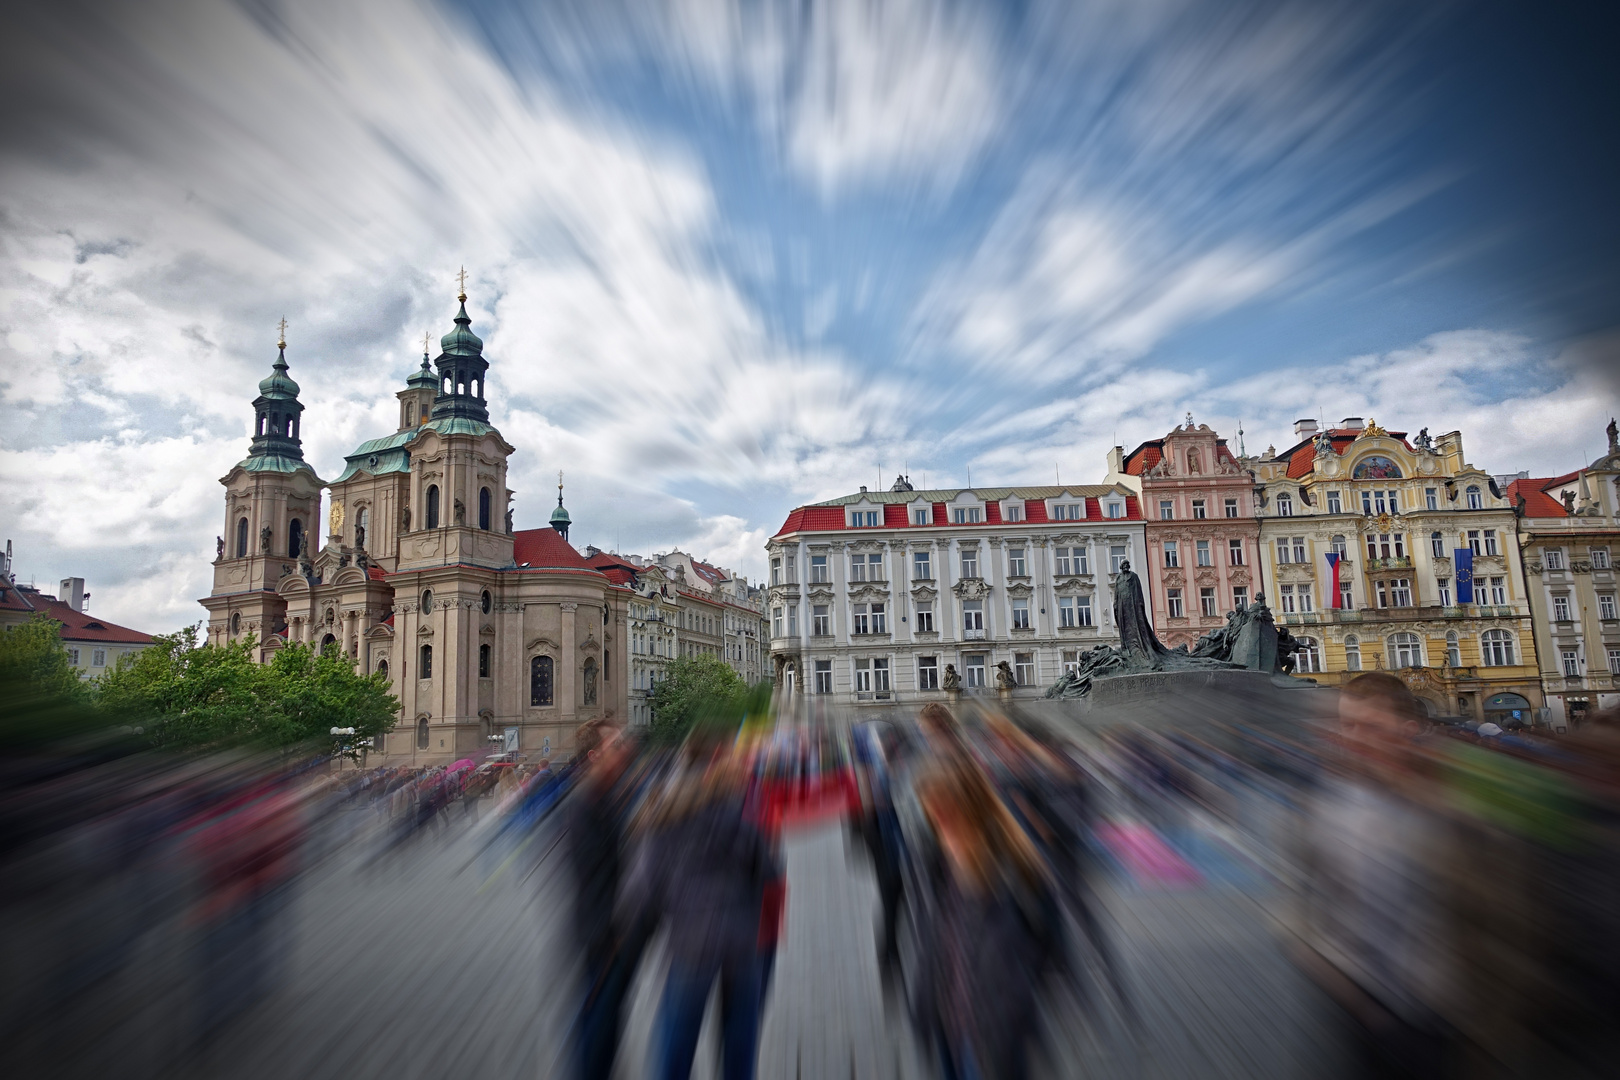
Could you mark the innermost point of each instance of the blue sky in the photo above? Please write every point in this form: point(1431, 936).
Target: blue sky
point(727, 257)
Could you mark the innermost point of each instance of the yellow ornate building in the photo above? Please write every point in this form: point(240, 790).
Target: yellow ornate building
point(1404, 519)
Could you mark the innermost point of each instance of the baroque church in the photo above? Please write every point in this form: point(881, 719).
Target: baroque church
point(485, 633)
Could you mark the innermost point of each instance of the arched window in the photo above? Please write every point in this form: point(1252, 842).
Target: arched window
point(410, 414)
point(1453, 653)
point(1496, 646)
point(483, 661)
point(1352, 653)
point(483, 509)
point(259, 427)
point(422, 733)
point(1475, 502)
point(1339, 547)
point(382, 669)
point(236, 624)
point(427, 601)
point(1405, 650)
point(1437, 545)
point(361, 520)
point(241, 538)
point(295, 538)
point(1285, 505)
point(540, 680)
point(1309, 658)
point(425, 664)
point(329, 642)
point(485, 602)
point(432, 507)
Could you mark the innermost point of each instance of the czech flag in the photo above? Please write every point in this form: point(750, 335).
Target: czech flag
point(1331, 580)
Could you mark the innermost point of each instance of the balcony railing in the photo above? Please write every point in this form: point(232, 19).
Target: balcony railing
point(973, 635)
point(1394, 562)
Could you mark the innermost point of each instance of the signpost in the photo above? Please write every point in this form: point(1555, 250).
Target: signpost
point(511, 744)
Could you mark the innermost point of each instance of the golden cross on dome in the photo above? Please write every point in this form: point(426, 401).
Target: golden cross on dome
point(461, 279)
point(281, 333)
point(426, 338)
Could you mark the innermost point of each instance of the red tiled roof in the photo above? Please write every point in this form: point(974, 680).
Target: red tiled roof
point(1301, 456)
point(80, 626)
point(375, 573)
point(896, 515)
point(1537, 503)
point(1144, 457)
point(1035, 511)
point(545, 549)
point(13, 598)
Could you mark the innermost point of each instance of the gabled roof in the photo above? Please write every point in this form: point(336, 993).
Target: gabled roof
point(1151, 452)
point(830, 515)
point(545, 549)
point(81, 626)
point(13, 598)
point(1537, 503)
point(617, 570)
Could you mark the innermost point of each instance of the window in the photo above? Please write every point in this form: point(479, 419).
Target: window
point(919, 516)
point(793, 620)
point(973, 617)
point(1442, 588)
point(922, 565)
point(1307, 598)
point(1071, 561)
point(1561, 609)
point(1016, 566)
point(1167, 509)
point(1285, 505)
point(1431, 498)
point(1069, 512)
point(1012, 513)
point(865, 519)
point(1203, 553)
point(1172, 599)
point(1599, 557)
point(427, 601)
point(432, 519)
point(1405, 650)
point(1474, 500)
point(1240, 597)
point(1340, 548)
point(1172, 553)
point(820, 621)
point(1555, 557)
point(1234, 552)
point(1198, 509)
point(1071, 661)
point(776, 622)
point(241, 538)
point(1453, 652)
point(73, 656)
point(540, 680)
point(1386, 545)
point(1614, 661)
point(425, 663)
point(1498, 590)
point(928, 673)
point(1117, 554)
point(925, 617)
point(483, 661)
point(966, 515)
point(483, 509)
point(1395, 592)
point(970, 563)
point(776, 571)
point(1352, 654)
point(1024, 668)
point(1206, 601)
point(823, 675)
point(1231, 508)
point(486, 602)
point(818, 569)
point(868, 619)
point(1606, 609)
point(1066, 611)
point(1020, 614)
point(973, 668)
point(1380, 502)
point(1334, 506)
point(1572, 664)
point(1347, 596)
point(1285, 553)
point(1082, 610)
point(1299, 550)
point(98, 658)
point(1110, 510)
point(857, 568)
point(295, 538)
point(1285, 599)
point(863, 676)
point(1437, 545)
point(1308, 660)
point(1490, 542)
point(880, 675)
point(422, 734)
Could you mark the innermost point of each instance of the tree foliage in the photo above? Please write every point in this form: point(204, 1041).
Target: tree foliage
point(695, 690)
point(186, 694)
point(42, 698)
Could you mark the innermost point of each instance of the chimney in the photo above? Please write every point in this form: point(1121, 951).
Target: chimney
point(1352, 423)
point(71, 592)
point(1304, 429)
point(863, 489)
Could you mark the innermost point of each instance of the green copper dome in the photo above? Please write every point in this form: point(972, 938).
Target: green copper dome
point(423, 376)
point(560, 516)
point(462, 341)
point(279, 384)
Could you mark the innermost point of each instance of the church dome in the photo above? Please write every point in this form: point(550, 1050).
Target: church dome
point(462, 341)
point(279, 384)
point(560, 516)
point(423, 376)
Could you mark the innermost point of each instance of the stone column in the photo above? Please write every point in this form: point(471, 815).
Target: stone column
point(567, 665)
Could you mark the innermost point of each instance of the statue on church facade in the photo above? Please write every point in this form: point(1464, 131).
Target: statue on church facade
point(219, 548)
point(265, 537)
point(1614, 437)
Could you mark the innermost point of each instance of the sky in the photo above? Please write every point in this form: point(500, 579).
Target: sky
point(727, 258)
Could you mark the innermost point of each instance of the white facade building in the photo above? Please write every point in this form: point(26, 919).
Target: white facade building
point(873, 596)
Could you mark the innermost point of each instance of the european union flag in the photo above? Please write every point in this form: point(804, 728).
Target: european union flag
point(1463, 560)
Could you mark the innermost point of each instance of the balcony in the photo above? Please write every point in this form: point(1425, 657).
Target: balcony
point(1394, 562)
point(973, 635)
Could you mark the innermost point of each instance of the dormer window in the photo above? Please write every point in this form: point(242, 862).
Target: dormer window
point(967, 515)
point(1475, 500)
point(922, 515)
point(1012, 511)
point(1111, 510)
point(865, 519)
point(1069, 511)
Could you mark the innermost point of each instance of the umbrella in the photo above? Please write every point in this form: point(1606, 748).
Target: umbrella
point(464, 763)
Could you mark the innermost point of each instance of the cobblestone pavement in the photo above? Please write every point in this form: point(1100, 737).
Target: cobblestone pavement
point(409, 969)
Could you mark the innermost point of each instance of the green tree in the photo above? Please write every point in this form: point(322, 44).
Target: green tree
point(695, 689)
point(42, 698)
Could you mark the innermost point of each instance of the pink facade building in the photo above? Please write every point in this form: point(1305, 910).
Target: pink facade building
point(1202, 533)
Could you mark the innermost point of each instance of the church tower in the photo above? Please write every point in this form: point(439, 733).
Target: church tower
point(272, 499)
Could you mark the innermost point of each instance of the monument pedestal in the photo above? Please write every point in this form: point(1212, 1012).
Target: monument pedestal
point(1191, 698)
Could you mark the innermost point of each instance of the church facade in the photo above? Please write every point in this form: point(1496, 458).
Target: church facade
point(485, 632)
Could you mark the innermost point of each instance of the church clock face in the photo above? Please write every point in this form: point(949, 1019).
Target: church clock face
point(334, 520)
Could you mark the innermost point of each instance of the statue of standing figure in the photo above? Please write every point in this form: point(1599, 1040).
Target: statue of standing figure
point(1614, 437)
point(951, 681)
point(1004, 677)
